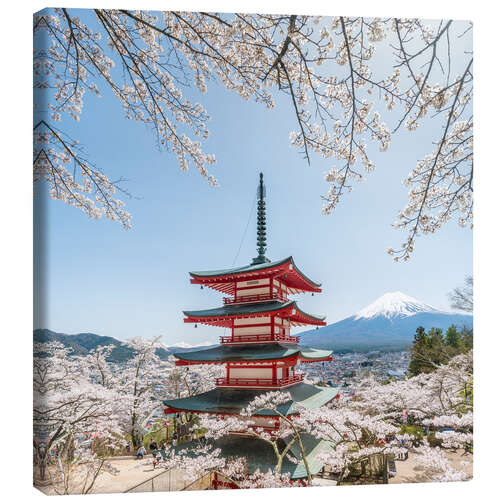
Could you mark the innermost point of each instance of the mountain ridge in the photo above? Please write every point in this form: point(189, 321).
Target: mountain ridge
point(83, 343)
point(388, 323)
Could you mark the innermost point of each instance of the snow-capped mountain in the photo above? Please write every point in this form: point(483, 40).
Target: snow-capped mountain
point(389, 322)
point(184, 347)
point(394, 305)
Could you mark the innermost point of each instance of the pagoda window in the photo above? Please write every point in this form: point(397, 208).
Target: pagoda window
point(251, 372)
point(253, 284)
point(245, 292)
point(253, 330)
point(251, 321)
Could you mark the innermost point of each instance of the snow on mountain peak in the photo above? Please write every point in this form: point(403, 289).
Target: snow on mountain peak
point(184, 345)
point(392, 305)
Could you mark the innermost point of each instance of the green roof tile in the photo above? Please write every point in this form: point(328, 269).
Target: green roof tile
point(252, 352)
point(241, 269)
point(260, 455)
point(226, 400)
point(251, 268)
point(243, 309)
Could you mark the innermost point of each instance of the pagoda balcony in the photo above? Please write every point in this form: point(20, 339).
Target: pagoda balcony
point(259, 338)
point(260, 383)
point(260, 297)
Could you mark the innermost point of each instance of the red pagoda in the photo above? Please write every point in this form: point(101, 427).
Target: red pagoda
point(260, 355)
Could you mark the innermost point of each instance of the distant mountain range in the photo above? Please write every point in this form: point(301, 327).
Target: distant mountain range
point(183, 347)
point(83, 343)
point(389, 323)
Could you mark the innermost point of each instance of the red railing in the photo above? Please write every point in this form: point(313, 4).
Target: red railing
point(255, 298)
point(264, 337)
point(259, 382)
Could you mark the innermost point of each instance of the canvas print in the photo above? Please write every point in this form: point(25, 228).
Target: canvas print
point(253, 251)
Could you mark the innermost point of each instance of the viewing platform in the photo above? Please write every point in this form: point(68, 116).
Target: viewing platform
point(261, 297)
point(260, 383)
point(258, 338)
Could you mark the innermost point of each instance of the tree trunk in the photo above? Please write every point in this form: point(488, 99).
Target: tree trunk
point(41, 469)
point(304, 459)
point(279, 464)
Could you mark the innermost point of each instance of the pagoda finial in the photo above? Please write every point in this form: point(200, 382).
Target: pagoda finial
point(261, 223)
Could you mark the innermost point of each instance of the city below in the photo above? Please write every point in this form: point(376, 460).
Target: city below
point(345, 370)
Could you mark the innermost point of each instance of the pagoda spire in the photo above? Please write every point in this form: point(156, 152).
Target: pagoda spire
point(261, 223)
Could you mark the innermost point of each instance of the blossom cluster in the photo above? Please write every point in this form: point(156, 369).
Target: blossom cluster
point(324, 66)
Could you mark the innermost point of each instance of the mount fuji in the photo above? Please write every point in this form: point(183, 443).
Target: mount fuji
point(388, 323)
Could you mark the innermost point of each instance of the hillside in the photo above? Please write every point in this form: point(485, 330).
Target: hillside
point(82, 343)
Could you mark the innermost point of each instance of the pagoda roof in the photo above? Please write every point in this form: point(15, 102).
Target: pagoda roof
point(253, 352)
point(232, 401)
point(261, 456)
point(222, 316)
point(223, 279)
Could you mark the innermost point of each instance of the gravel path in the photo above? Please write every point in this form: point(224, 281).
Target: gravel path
point(408, 471)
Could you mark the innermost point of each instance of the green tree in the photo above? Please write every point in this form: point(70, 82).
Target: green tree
point(431, 349)
point(437, 351)
point(453, 338)
point(419, 352)
point(467, 338)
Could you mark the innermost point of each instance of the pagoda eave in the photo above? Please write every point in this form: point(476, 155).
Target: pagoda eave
point(231, 401)
point(285, 269)
point(224, 316)
point(227, 323)
point(256, 354)
point(291, 361)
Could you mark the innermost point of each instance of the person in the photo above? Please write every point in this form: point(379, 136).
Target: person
point(174, 439)
point(141, 452)
point(153, 446)
point(127, 446)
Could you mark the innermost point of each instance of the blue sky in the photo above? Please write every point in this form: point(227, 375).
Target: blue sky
point(105, 280)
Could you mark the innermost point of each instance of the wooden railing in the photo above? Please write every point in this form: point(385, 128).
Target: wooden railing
point(256, 338)
point(259, 382)
point(244, 299)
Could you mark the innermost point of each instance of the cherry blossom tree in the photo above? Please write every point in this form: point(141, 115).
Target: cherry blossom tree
point(462, 298)
point(78, 469)
point(442, 398)
point(83, 400)
point(326, 68)
point(138, 385)
point(289, 430)
point(204, 457)
point(68, 408)
point(145, 380)
point(186, 381)
point(353, 437)
point(80, 401)
point(356, 428)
